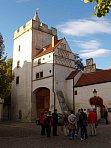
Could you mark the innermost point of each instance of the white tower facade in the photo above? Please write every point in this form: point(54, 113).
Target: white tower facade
point(28, 41)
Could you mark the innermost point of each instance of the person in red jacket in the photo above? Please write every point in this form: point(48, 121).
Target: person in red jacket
point(42, 123)
point(92, 121)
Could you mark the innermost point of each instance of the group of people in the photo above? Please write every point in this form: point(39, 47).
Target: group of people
point(48, 120)
point(73, 124)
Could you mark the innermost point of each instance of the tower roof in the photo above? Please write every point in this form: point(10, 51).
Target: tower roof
point(36, 18)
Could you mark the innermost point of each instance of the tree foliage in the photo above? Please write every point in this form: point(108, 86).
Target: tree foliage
point(102, 7)
point(96, 100)
point(78, 63)
point(5, 72)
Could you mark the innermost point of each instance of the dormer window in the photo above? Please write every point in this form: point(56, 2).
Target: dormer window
point(39, 61)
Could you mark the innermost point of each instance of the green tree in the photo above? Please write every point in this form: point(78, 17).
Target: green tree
point(78, 62)
point(5, 72)
point(102, 7)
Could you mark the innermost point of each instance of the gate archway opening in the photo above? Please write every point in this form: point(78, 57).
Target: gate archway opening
point(42, 100)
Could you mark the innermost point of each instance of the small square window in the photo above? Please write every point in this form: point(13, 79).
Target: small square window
point(17, 80)
point(41, 74)
point(37, 75)
point(43, 58)
point(49, 56)
point(75, 92)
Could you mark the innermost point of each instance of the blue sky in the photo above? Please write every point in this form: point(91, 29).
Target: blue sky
point(88, 36)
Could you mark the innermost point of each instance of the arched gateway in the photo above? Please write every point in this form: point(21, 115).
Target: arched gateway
point(42, 100)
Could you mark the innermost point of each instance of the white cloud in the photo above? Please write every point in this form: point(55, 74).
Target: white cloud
point(85, 27)
point(22, 1)
point(91, 44)
point(94, 53)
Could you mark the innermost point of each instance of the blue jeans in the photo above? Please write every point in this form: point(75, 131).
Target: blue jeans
point(71, 133)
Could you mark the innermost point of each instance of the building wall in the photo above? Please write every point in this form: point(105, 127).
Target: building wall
point(86, 92)
point(63, 66)
point(21, 93)
point(41, 36)
point(28, 41)
point(69, 93)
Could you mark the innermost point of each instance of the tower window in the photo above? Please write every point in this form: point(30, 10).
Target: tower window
point(37, 75)
point(17, 80)
point(19, 48)
point(41, 74)
point(18, 64)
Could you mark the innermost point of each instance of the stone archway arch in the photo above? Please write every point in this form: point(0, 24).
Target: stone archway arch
point(42, 100)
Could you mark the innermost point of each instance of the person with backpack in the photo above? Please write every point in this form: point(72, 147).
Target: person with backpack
point(65, 123)
point(72, 125)
point(83, 124)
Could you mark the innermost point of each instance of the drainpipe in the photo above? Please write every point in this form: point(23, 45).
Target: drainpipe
point(53, 80)
point(73, 97)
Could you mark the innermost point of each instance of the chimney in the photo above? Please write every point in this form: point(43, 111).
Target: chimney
point(54, 40)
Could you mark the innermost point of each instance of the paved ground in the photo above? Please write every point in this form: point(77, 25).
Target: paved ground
point(27, 135)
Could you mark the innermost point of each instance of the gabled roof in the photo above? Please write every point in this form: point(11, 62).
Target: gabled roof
point(47, 49)
point(101, 76)
point(72, 74)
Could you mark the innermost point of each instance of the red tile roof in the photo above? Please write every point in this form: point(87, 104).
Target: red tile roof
point(48, 49)
point(97, 77)
point(73, 74)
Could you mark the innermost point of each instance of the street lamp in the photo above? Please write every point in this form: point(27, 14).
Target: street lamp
point(95, 98)
point(95, 92)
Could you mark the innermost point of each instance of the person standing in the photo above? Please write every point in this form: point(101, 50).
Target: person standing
point(92, 119)
point(72, 125)
point(83, 124)
point(106, 115)
point(78, 124)
point(55, 122)
point(42, 123)
point(65, 123)
point(48, 123)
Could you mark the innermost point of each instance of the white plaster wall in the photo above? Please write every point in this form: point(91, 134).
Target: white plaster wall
point(48, 58)
point(21, 93)
point(69, 93)
point(86, 92)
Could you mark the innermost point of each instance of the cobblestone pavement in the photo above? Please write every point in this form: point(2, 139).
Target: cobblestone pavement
point(27, 135)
